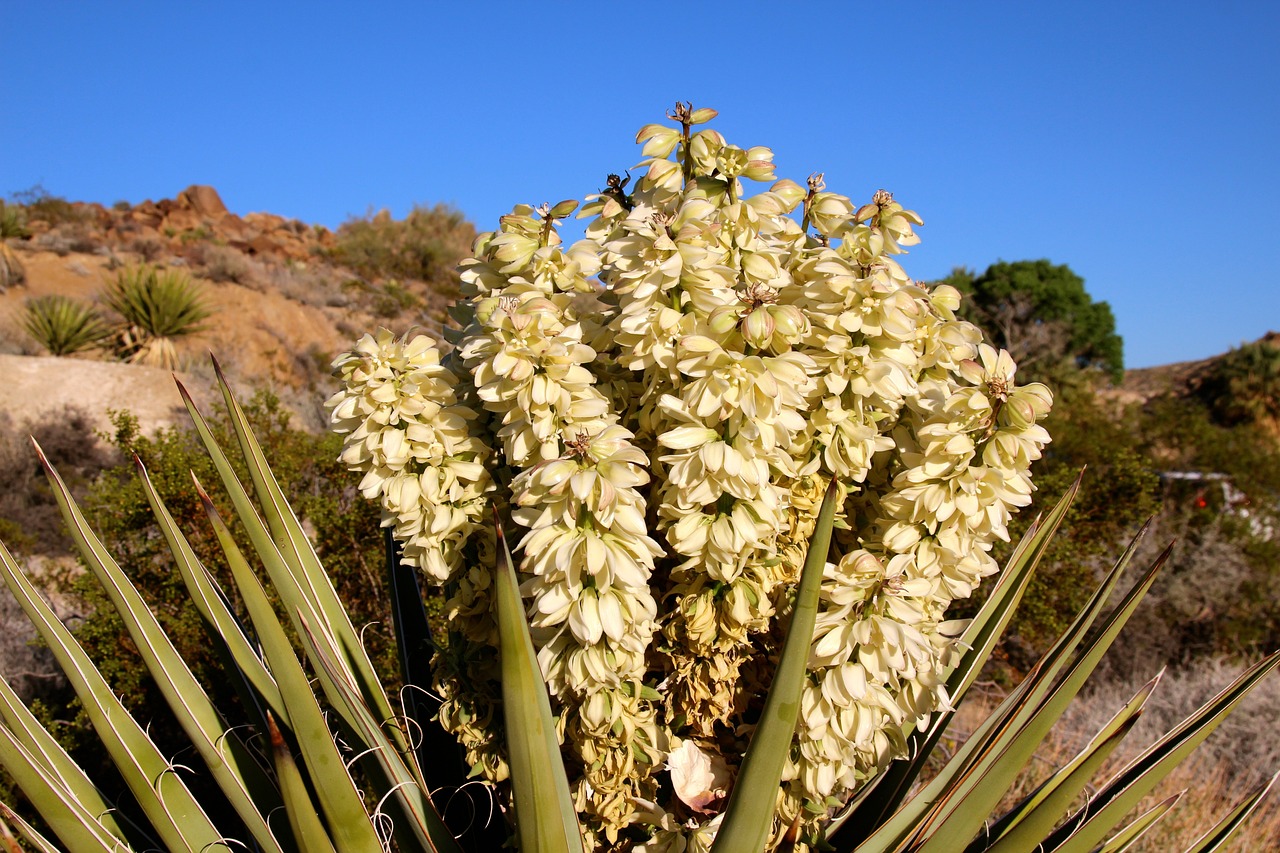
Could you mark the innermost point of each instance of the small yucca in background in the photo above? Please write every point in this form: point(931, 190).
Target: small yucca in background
point(63, 325)
point(158, 308)
point(13, 223)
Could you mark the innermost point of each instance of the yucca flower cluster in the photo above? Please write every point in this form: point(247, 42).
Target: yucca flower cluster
point(659, 408)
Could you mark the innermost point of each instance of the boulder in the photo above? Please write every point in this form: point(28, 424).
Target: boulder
point(203, 199)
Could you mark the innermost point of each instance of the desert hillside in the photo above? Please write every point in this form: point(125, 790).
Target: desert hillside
point(283, 297)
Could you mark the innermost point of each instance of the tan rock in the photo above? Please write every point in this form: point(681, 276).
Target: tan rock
point(36, 386)
point(263, 245)
point(203, 199)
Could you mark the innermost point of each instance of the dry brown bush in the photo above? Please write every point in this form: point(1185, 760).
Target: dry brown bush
point(224, 263)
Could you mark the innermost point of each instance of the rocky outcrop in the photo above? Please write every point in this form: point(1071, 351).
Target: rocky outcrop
point(198, 216)
point(203, 199)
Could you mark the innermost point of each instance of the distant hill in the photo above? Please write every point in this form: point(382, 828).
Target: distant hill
point(1180, 379)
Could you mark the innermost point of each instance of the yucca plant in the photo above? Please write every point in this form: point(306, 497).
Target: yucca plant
point(752, 462)
point(323, 760)
point(158, 307)
point(13, 223)
point(63, 325)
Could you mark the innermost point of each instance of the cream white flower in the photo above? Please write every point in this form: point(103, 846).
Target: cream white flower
point(659, 408)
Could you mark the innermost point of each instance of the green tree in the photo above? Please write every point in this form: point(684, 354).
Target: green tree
point(1041, 313)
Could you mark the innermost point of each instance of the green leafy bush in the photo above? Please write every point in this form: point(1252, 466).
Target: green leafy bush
point(1041, 313)
point(63, 325)
point(1243, 386)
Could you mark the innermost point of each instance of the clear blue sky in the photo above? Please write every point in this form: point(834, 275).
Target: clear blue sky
point(1136, 142)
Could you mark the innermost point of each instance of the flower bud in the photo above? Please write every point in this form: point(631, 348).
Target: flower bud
point(564, 208)
point(723, 319)
point(758, 328)
point(702, 115)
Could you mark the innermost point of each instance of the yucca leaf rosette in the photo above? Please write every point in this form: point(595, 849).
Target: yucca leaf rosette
point(660, 408)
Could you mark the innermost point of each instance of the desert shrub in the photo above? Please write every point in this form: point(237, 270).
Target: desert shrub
point(425, 246)
point(149, 248)
point(1243, 386)
point(311, 284)
point(13, 221)
point(1183, 434)
point(29, 519)
point(1220, 593)
point(63, 325)
point(223, 263)
point(386, 300)
point(68, 237)
point(39, 205)
point(158, 307)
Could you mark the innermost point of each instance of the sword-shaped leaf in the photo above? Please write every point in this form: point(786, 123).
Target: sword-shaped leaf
point(296, 588)
point(420, 824)
point(546, 821)
point(224, 627)
point(177, 817)
point(979, 789)
point(1127, 789)
point(1127, 837)
point(34, 838)
point(1224, 830)
point(748, 818)
point(304, 820)
point(292, 540)
point(1017, 717)
point(37, 743)
point(348, 822)
point(247, 788)
point(1026, 824)
point(79, 828)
